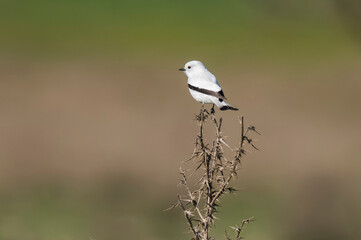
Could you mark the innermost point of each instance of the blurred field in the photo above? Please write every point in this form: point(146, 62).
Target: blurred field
point(95, 119)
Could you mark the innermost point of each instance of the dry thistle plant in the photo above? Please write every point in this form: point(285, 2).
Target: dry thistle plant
point(216, 173)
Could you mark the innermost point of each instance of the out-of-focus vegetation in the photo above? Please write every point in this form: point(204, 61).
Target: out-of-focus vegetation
point(95, 118)
point(153, 29)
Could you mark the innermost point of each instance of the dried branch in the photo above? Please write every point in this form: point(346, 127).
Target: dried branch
point(199, 206)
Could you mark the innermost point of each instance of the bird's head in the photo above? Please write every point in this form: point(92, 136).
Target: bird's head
point(193, 67)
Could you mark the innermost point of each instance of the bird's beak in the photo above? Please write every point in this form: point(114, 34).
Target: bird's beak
point(181, 69)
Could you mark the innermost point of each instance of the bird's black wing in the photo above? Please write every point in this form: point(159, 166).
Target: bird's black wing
point(218, 95)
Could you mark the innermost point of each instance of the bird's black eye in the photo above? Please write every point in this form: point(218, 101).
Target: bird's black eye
point(189, 67)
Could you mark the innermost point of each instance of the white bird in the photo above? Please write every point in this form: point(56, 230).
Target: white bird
point(203, 85)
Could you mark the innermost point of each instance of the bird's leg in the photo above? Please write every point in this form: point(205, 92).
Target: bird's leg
point(212, 110)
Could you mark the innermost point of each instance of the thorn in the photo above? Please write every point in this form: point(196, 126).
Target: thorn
point(253, 128)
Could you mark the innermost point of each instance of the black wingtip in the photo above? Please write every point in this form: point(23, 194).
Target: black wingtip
point(228, 108)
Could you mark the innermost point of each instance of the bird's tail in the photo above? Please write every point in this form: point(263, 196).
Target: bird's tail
point(222, 105)
point(228, 107)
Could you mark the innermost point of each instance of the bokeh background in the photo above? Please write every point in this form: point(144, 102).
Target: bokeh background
point(95, 119)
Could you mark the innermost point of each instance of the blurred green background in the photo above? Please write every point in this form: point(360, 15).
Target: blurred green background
point(95, 119)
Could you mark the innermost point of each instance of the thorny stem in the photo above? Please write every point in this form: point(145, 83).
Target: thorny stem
point(216, 178)
point(206, 162)
point(238, 156)
point(188, 217)
point(190, 194)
